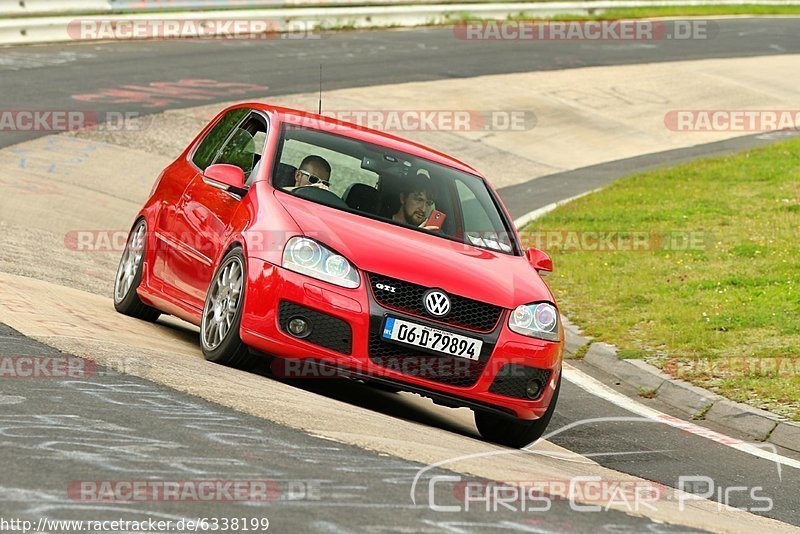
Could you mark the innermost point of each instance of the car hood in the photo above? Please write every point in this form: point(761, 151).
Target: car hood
point(423, 259)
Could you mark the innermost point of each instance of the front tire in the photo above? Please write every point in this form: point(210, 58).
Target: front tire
point(129, 276)
point(222, 314)
point(513, 432)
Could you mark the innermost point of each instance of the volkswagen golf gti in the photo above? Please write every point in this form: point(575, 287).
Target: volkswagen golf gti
point(329, 249)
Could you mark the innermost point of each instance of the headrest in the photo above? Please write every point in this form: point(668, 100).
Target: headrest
point(284, 176)
point(361, 197)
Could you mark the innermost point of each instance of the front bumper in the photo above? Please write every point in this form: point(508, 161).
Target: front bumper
point(359, 352)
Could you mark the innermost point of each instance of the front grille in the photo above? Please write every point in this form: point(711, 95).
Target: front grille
point(326, 330)
point(512, 380)
point(408, 297)
point(451, 370)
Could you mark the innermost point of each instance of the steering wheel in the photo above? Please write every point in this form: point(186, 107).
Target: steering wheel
point(322, 196)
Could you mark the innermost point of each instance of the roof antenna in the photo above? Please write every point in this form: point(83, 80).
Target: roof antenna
point(320, 90)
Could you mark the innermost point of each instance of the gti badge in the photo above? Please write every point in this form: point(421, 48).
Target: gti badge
point(390, 289)
point(437, 303)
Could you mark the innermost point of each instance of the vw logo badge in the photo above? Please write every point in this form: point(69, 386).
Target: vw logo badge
point(437, 303)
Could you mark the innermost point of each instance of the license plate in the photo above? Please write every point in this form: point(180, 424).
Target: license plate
point(434, 339)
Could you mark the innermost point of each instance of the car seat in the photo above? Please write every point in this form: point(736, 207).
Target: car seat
point(284, 176)
point(362, 197)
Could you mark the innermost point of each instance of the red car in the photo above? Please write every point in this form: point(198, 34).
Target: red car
point(335, 250)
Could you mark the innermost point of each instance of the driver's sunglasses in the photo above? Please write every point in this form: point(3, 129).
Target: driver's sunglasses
point(314, 179)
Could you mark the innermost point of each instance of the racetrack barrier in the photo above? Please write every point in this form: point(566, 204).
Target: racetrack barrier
point(27, 8)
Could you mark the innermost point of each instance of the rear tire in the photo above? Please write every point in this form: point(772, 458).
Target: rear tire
point(222, 315)
point(129, 276)
point(513, 432)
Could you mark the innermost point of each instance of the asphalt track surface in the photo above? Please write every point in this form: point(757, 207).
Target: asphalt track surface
point(47, 76)
point(115, 427)
point(360, 490)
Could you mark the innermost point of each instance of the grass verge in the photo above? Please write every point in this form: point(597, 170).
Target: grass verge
point(694, 269)
point(709, 10)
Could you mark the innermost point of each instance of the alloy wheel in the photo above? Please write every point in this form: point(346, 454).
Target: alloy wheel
point(222, 303)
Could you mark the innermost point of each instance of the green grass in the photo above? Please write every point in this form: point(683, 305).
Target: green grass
point(723, 312)
point(689, 11)
point(606, 14)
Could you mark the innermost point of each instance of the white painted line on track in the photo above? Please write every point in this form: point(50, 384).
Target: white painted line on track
point(598, 389)
point(594, 387)
point(520, 222)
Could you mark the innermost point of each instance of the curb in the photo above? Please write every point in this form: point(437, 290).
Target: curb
point(696, 402)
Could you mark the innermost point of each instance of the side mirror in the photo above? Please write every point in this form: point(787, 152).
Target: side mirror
point(225, 177)
point(539, 260)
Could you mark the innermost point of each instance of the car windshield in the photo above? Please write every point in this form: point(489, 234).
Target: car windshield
point(398, 188)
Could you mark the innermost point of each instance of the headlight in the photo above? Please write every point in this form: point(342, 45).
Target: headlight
point(535, 320)
point(306, 256)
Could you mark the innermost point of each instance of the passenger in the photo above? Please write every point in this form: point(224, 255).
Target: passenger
point(314, 171)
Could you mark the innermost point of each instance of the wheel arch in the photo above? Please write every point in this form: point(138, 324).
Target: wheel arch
point(236, 242)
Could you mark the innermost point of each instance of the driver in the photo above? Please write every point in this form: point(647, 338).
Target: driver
point(416, 201)
point(314, 171)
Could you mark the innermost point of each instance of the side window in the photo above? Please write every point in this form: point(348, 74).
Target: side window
point(245, 146)
point(480, 221)
point(475, 217)
point(240, 150)
point(210, 146)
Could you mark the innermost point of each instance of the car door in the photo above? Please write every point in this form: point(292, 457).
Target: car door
point(172, 185)
point(202, 222)
point(171, 242)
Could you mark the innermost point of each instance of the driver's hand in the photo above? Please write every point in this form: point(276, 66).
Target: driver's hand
point(431, 228)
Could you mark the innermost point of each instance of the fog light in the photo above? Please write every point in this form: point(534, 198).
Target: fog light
point(533, 389)
point(299, 327)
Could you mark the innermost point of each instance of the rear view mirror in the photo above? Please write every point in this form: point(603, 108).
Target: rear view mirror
point(539, 260)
